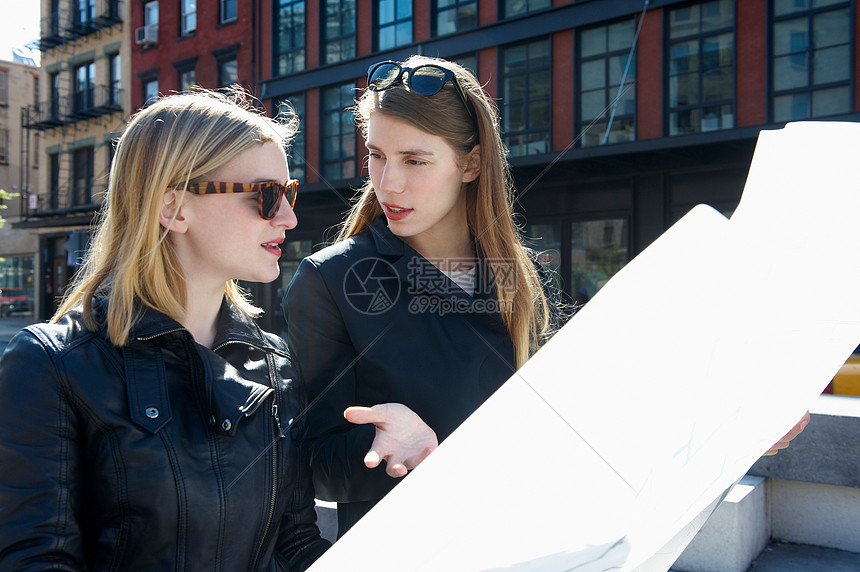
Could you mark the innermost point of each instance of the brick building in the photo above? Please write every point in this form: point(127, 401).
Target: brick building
point(620, 115)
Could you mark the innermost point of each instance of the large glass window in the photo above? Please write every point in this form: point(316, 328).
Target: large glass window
point(519, 7)
point(187, 17)
point(702, 67)
point(811, 63)
point(393, 23)
point(290, 37)
point(603, 58)
point(297, 149)
point(454, 15)
point(338, 132)
point(339, 31)
point(150, 14)
point(82, 175)
point(598, 249)
point(17, 279)
point(526, 111)
point(4, 87)
point(84, 86)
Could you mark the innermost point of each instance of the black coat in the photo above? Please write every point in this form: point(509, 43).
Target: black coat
point(371, 321)
point(160, 455)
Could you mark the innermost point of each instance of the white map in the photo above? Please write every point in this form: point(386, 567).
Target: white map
point(610, 447)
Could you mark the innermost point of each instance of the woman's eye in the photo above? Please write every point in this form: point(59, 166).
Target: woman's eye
point(417, 162)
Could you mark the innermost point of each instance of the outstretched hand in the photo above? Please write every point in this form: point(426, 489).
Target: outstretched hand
point(402, 439)
point(795, 431)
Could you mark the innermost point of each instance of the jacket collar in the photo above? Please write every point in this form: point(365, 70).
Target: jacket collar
point(419, 274)
point(233, 325)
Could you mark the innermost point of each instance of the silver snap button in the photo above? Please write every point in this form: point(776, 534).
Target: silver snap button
point(151, 412)
point(225, 425)
point(212, 420)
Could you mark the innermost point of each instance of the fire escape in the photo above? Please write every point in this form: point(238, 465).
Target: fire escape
point(72, 102)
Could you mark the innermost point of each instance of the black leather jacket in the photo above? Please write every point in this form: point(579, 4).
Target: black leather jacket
point(160, 455)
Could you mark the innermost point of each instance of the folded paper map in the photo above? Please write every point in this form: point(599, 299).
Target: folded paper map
point(610, 447)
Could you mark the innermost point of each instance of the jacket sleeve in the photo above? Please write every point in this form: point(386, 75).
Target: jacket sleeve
point(324, 358)
point(39, 473)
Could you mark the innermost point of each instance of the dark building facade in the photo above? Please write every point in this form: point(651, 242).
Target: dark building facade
point(619, 115)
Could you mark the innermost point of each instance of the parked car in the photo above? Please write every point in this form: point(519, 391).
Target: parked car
point(15, 301)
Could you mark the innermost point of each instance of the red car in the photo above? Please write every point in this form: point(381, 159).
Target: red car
point(15, 301)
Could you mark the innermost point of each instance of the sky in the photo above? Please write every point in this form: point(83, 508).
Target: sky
point(19, 25)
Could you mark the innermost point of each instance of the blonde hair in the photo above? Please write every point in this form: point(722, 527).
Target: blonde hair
point(176, 140)
point(489, 198)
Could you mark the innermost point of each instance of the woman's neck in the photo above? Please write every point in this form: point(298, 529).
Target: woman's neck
point(201, 314)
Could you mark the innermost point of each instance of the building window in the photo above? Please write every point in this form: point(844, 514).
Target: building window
point(339, 31)
point(297, 149)
point(150, 91)
point(186, 79)
point(290, 38)
point(228, 72)
point(603, 57)
point(115, 78)
point(519, 7)
point(393, 23)
point(454, 15)
point(54, 82)
point(228, 11)
point(338, 132)
point(701, 67)
point(526, 93)
point(468, 61)
point(187, 17)
point(84, 13)
point(811, 59)
point(82, 176)
point(54, 191)
point(4, 87)
point(150, 14)
point(598, 249)
point(84, 86)
point(4, 146)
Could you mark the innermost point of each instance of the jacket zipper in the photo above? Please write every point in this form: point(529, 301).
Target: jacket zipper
point(152, 337)
point(280, 433)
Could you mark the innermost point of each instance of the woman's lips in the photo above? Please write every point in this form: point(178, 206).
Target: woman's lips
point(395, 212)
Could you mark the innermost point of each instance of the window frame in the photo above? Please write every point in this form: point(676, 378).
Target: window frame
point(346, 129)
point(811, 88)
point(378, 26)
point(297, 25)
point(297, 149)
point(223, 6)
point(610, 90)
point(436, 13)
point(84, 88)
point(83, 158)
point(700, 37)
point(349, 39)
point(507, 101)
point(187, 17)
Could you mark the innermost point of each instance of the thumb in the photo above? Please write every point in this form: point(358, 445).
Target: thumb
point(360, 415)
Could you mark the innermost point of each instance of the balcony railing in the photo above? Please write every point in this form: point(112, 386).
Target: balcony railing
point(65, 26)
point(86, 104)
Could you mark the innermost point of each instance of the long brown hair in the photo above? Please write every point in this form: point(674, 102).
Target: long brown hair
point(176, 140)
point(489, 198)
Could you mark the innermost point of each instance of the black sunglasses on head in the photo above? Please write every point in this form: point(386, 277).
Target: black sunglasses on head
point(426, 79)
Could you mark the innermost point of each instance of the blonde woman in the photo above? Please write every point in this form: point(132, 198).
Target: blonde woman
point(428, 301)
point(148, 425)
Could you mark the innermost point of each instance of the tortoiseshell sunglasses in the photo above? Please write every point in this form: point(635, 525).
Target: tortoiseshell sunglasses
point(269, 194)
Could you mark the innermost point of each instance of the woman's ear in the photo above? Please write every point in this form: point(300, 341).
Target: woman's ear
point(473, 165)
point(171, 215)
